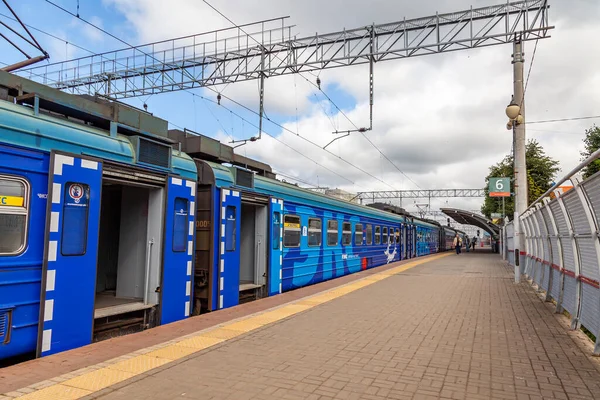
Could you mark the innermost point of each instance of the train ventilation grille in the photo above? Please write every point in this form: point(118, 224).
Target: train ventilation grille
point(4, 321)
point(151, 152)
point(244, 178)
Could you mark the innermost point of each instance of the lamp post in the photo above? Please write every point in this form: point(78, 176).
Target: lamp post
point(515, 112)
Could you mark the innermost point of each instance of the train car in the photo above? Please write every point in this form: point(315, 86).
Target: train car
point(427, 237)
point(96, 220)
point(270, 237)
point(448, 237)
point(258, 237)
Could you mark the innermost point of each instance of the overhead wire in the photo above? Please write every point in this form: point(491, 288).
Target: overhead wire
point(562, 120)
point(270, 135)
point(305, 139)
point(295, 178)
point(149, 55)
point(312, 83)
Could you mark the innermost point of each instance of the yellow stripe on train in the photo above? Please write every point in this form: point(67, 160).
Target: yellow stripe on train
point(14, 201)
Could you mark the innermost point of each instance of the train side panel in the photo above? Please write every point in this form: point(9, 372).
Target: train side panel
point(320, 245)
point(20, 268)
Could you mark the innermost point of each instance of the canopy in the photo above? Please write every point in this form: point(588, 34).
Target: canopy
point(468, 218)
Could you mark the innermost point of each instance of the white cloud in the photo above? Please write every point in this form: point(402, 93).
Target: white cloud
point(439, 118)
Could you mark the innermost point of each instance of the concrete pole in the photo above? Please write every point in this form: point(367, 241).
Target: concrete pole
point(520, 167)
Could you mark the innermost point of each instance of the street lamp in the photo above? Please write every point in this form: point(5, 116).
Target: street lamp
point(512, 110)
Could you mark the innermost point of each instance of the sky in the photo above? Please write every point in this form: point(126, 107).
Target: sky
point(439, 118)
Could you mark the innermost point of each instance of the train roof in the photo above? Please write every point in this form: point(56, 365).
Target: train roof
point(41, 122)
point(224, 176)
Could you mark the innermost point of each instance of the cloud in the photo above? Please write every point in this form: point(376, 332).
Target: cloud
point(440, 119)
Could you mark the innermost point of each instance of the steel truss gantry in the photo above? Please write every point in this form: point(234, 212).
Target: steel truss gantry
point(419, 194)
point(270, 49)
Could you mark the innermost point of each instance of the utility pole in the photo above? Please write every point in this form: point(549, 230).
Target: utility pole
point(520, 168)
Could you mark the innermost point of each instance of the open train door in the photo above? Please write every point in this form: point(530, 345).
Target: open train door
point(70, 254)
point(276, 243)
point(176, 286)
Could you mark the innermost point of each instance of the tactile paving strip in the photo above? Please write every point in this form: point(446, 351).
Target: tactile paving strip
point(89, 382)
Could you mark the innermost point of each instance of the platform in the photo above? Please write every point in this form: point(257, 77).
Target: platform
point(449, 326)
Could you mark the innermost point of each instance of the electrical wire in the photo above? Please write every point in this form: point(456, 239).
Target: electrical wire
point(129, 45)
point(562, 120)
point(305, 139)
point(296, 179)
point(272, 136)
point(312, 83)
point(530, 66)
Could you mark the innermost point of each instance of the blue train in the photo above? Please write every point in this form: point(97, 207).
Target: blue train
point(107, 226)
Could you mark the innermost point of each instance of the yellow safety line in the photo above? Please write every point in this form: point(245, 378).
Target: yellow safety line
point(96, 378)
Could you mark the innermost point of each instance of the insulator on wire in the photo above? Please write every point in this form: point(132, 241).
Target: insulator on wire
point(319, 82)
point(219, 98)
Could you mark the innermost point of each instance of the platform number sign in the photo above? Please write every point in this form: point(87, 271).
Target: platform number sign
point(499, 187)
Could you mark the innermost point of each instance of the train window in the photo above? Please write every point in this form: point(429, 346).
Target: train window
point(180, 224)
point(384, 239)
point(75, 219)
point(346, 233)
point(369, 234)
point(314, 232)
point(14, 203)
point(230, 228)
point(276, 230)
point(332, 232)
point(397, 234)
point(291, 231)
point(358, 234)
point(377, 235)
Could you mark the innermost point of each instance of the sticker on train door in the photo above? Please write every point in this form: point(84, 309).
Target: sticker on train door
point(229, 249)
point(176, 286)
point(276, 248)
point(71, 252)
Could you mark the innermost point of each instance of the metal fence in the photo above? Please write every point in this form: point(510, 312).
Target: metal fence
point(562, 244)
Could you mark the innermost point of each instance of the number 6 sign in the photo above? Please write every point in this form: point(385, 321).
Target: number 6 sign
point(499, 187)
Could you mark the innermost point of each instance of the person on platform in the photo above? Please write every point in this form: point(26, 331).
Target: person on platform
point(473, 242)
point(457, 243)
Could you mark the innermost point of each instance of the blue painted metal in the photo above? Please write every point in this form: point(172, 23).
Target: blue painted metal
point(229, 229)
point(304, 265)
point(275, 246)
point(271, 187)
point(178, 249)
point(68, 295)
point(20, 275)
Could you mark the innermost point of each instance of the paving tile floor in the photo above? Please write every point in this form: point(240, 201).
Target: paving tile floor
point(454, 328)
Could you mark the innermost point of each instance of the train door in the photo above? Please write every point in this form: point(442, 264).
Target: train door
point(70, 254)
point(229, 249)
point(276, 246)
point(403, 246)
point(254, 220)
point(176, 285)
point(409, 241)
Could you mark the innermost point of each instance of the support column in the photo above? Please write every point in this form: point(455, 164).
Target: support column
point(520, 169)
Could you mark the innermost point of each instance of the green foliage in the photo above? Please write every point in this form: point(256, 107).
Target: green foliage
point(592, 143)
point(541, 171)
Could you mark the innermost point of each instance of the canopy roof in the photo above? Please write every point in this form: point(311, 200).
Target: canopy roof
point(468, 218)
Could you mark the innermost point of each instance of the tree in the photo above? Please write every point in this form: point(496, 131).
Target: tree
point(541, 171)
point(592, 143)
